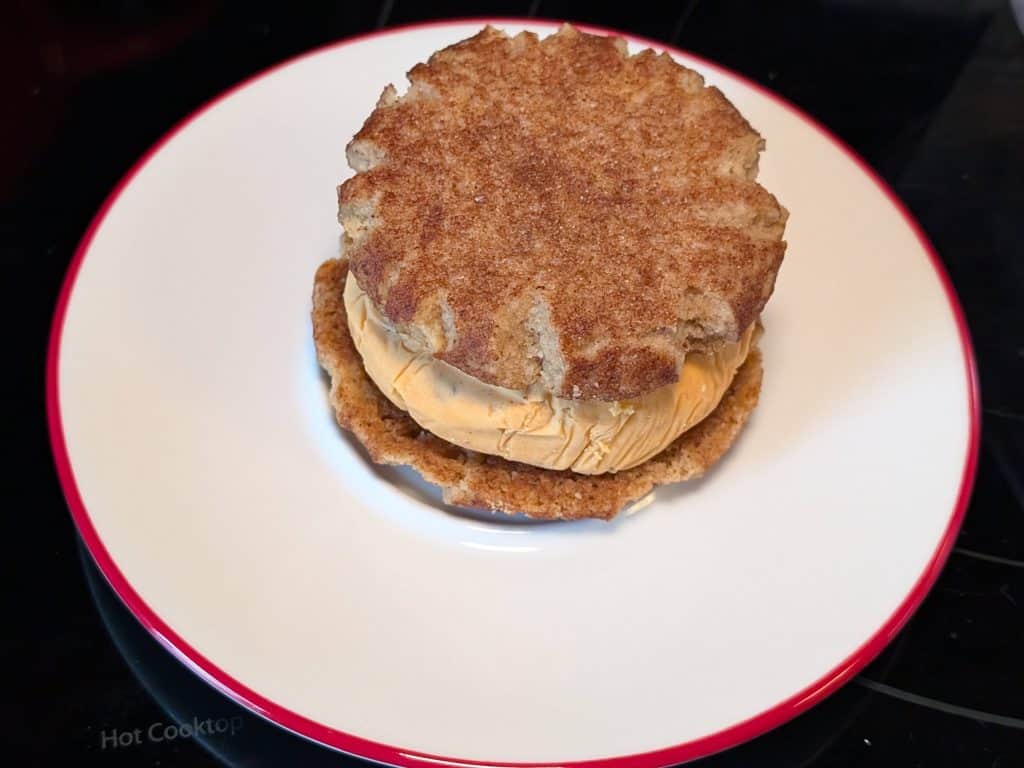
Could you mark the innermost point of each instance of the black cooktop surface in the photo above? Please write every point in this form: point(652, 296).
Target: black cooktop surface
point(930, 92)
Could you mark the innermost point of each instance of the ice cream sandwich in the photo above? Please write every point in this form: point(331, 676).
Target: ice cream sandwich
point(555, 258)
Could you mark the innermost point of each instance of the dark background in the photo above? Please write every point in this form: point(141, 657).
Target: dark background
point(931, 93)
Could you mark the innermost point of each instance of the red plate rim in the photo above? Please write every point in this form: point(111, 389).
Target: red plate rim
point(393, 755)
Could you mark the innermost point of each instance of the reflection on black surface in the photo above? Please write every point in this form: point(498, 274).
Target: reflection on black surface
point(249, 740)
point(867, 722)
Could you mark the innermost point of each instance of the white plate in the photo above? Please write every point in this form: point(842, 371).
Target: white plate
point(202, 466)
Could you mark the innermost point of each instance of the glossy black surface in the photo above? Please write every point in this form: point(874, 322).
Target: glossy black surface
point(931, 93)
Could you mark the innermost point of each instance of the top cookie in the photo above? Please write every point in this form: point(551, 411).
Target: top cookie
point(558, 213)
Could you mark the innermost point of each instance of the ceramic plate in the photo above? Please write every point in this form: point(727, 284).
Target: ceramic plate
point(203, 468)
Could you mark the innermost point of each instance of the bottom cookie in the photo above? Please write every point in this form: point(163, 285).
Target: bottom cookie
point(476, 480)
